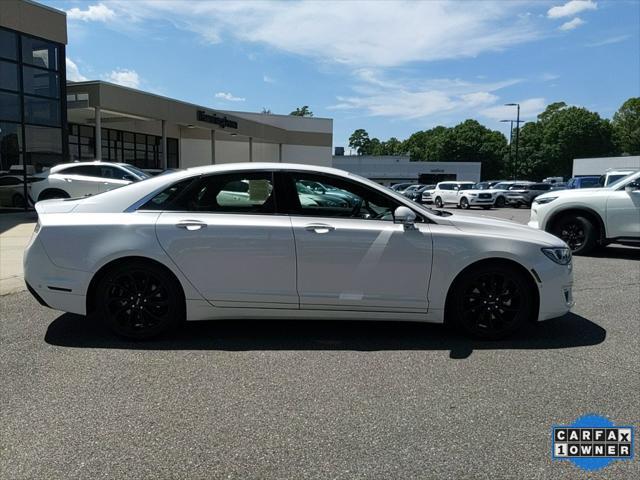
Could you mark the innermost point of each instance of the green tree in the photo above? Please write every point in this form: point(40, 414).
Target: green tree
point(360, 141)
point(626, 127)
point(302, 112)
point(572, 132)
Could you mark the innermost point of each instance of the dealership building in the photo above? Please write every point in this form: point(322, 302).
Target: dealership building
point(45, 120)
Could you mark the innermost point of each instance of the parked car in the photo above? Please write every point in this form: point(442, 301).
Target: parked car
point(409, 190)
point(145, 257)
point(553, 180)
point(462, 195)
point(499, 191)
point(590, 217)
point(80, 179)
point(522, 194)
point(12, 190)
point(417, 193)
point(426, 196)
point(401, 187)
point(583, 182)
point(612, 175)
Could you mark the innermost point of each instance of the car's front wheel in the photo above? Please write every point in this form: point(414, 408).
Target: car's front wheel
point(491, 301)
point(438, 202)
point(576, 231)
point(464, 203)
point(500, 202)
point(139, 300)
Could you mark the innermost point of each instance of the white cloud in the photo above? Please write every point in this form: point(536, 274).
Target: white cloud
point(529, 109)
point(609, 41)
point(268, 79)
point(360, 34)
point(228, 97)
point(571, 25)
point(378, 96)
point(73, 72)
point(95, 13)
point(124, 77)
point(571, 8)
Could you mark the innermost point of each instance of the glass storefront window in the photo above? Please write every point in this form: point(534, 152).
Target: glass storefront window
point(8, 45)
point(10, 145)
point(41, 111)
point(39, 53)
point(36, 81)
point(43, 146)
point(9, 76)
point(9, 106)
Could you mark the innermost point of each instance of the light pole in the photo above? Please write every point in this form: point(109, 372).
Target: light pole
point(510, 136)
point(517, 135)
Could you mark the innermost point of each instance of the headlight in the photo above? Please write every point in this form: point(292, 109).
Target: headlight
point(560, 255)
point(544, 200)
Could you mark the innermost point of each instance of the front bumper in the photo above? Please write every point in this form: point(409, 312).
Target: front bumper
point(555, 289)
point(480, 201)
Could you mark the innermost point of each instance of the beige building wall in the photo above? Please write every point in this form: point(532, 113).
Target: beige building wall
point(34, 19)
point(308, 155)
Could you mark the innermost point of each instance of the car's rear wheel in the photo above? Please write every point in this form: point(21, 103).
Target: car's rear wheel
point(464, 203)
point(578, 232)
point(491, 301)
point(500, 202)
point(52, 193)
point(438, 202)
point(139, 300)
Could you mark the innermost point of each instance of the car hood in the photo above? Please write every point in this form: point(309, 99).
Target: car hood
point(575, 193)
point(504, 229)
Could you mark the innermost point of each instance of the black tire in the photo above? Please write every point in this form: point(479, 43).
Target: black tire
point(52, 193)
point(139, 300)
point(500, 202)
point(438, 202)
point(490, 301)
point(576, 231)
point(487, 207)
point(464, 203)
point(516, 205)
point(17, 201)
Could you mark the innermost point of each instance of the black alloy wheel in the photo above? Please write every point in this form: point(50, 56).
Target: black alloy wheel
point(577, 232)
point(492, 302)
point(140, 301)
point(500, 202)
point(464, 203)
point(438, 202)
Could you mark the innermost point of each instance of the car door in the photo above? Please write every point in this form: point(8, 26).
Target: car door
point(623, 213)
point(352, 256)
point(237, 252)
point(112, 177)
point(78, 181)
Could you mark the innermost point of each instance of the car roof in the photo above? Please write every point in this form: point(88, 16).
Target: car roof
point(455, 182)
point(62, 166)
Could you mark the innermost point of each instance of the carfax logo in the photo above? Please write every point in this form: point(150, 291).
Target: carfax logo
point(592, 442)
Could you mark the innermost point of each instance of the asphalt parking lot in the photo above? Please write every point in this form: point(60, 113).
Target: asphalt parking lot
point(319, 399)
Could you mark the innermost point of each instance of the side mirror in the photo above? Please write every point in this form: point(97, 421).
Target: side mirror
point(633, 187)
point(405, 216)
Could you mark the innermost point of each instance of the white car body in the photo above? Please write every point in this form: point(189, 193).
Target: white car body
point(613, 175)
point(613, 211)
point(282, 265)
point(81, 179)
point(457, 193)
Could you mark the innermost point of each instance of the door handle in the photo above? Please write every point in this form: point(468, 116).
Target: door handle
point(191, 225)
point(319, 228)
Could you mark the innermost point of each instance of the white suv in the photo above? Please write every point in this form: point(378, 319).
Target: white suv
point(462, 195)
point(588, 217)
point(80, 179)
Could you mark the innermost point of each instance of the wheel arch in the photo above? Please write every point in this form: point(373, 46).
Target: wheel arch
point(586, 211)
point(104, 269)
point(53, 189)
point(528, 275)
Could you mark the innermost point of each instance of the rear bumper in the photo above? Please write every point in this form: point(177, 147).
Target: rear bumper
point(58, 288)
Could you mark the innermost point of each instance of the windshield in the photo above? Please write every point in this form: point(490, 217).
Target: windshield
point(622, 180)
point(137, 172)
point(501, 186)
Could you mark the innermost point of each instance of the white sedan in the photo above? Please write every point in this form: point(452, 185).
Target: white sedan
point(81, 179)
point(183, 246)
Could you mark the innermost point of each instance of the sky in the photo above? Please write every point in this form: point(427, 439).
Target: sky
point(390, 67)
